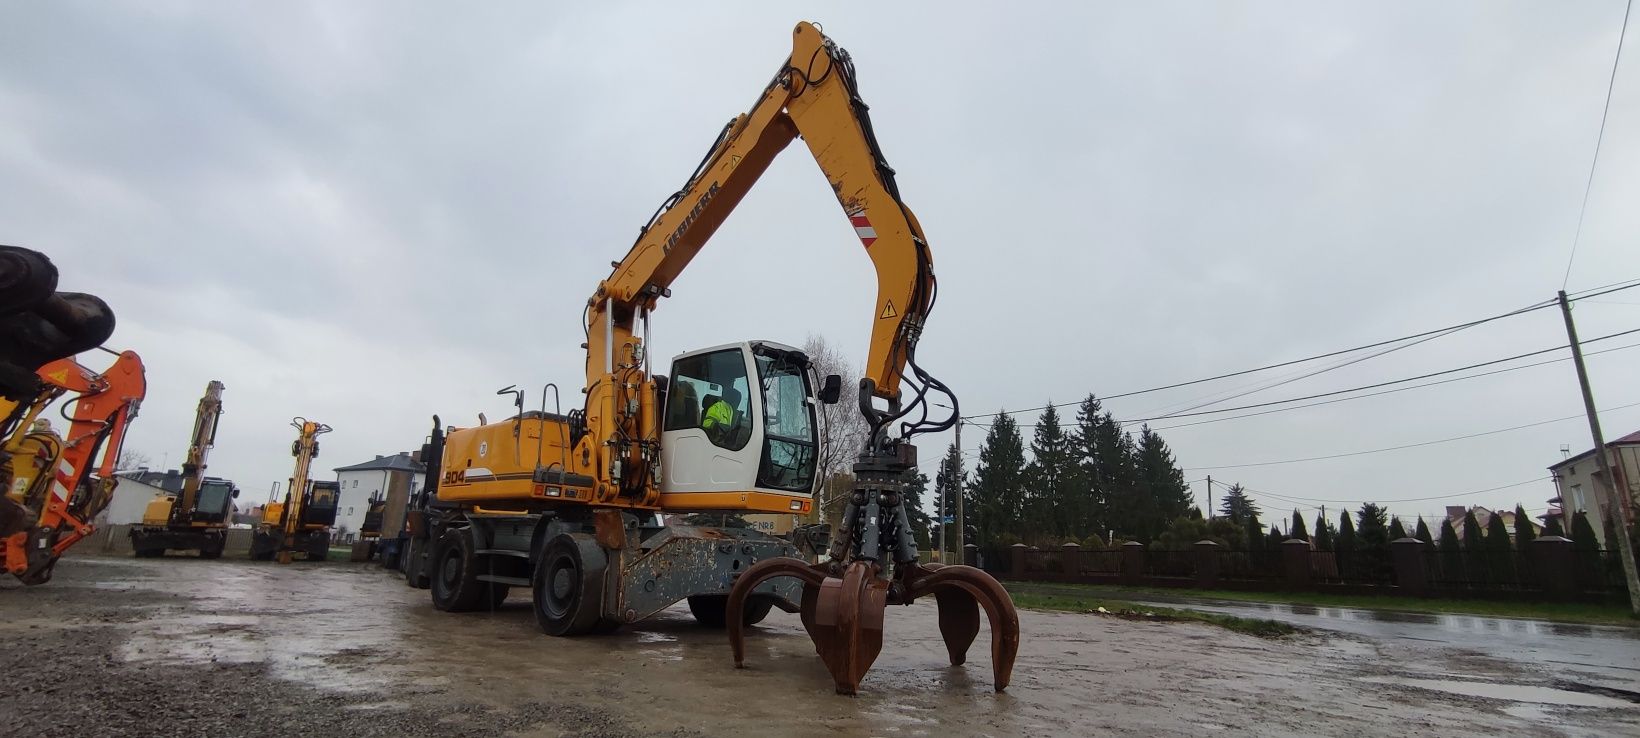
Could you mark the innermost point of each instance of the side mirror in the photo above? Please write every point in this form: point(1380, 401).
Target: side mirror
point(236, 493)
point(831, 389)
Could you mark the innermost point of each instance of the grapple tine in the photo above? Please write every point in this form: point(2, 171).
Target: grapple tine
point(959, 622)
point(849, 624)
point(970, 584)
point(755, 575)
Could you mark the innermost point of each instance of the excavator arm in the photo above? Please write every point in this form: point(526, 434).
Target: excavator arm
point(199, 447)
point(75, 477)
point(814, 95)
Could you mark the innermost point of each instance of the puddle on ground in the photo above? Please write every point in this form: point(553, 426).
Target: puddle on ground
point(1511, 692)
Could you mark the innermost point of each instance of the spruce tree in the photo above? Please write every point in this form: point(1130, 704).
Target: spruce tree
point(1237, 507)
point(1162, 495)
point(1298, 531)
point(1396, 530)
point(1554, 528)
point(1323, 534)
point(1050, 504)
point(1255, 535)
point(1372, 541)
point(995, 500)
point(1084, 446)
point(1472, 537)
point(1423, 532)
point(952, 479)
point(1275, 538)
point(915, 488)
point(1449, 538)
point(1345, 546)
point(1524, 533)
point(1499, 562)
point(1585, 545)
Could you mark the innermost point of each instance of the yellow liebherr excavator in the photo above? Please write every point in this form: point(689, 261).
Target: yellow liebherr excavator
point(564, 503)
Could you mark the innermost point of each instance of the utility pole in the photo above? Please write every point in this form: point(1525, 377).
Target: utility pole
point(1210, 498)
point(1614, 506)
point(962, 549)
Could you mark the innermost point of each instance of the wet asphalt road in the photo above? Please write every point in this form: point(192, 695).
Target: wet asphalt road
point(228, 648)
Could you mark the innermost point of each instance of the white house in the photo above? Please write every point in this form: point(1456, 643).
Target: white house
point(393, 478)
point(133, 491)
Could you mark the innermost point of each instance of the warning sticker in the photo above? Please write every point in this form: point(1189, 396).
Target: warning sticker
point(888, 311)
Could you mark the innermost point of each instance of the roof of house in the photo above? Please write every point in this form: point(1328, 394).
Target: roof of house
point(1632, 439)
point(170, 481)
point(397, 462)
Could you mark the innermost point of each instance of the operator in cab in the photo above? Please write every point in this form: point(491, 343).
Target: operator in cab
point(719, 419)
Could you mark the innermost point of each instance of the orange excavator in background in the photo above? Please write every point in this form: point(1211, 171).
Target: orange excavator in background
point(51, 484)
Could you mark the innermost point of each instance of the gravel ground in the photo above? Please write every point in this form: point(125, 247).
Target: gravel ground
point(185, 647)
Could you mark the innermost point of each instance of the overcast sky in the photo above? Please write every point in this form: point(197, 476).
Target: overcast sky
point(367, 213)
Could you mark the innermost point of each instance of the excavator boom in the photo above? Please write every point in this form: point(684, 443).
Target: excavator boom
point(65, 481)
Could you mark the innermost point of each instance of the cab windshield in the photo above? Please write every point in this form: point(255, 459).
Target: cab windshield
point(790, 443)
point(213, 498)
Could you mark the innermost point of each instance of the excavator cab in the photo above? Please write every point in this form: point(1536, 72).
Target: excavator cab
point(741, 418)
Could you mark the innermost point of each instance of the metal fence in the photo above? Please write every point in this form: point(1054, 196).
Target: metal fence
point(1407, 568)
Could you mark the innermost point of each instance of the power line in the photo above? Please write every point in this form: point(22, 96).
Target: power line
point(1176, 385)
point(1609, 288)
point(1408, 445)
point(1392, 391)
point(1605, 111)
point(1377, 385)
point(1365, 387)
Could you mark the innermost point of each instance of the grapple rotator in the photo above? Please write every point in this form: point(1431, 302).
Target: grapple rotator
point(873, 564)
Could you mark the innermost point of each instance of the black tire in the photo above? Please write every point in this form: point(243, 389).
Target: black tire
point(711, 610)
point(415, 564)
point(319, 550)
point(455, 574)
point(567, 587)
point(391, 563)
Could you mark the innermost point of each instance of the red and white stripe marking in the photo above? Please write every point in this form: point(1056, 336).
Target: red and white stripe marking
point(863, 229)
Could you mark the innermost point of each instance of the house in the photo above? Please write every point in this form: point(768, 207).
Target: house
point(1455, 515)
point(392, 478)
point(133, 490)
point(1580, 485)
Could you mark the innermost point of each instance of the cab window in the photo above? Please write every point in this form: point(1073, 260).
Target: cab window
point(709, 392)
point(789, 438)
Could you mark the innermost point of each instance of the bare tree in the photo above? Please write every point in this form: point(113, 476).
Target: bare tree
point(843, 428)
point(131, 459)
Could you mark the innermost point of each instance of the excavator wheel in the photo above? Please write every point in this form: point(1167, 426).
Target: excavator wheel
point(413, 563)
point(567, 587)
point(456, 587)
point(711, 610)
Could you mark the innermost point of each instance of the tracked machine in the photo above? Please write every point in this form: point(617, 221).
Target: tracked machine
point(195, 517)
point(565, 503)
point(52, 485)
point(301, 523)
